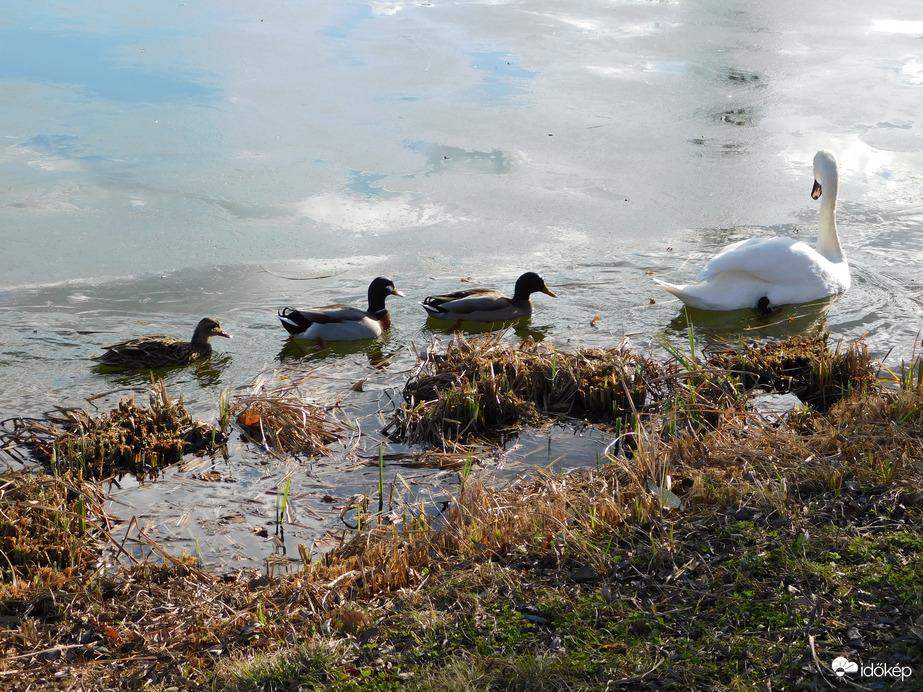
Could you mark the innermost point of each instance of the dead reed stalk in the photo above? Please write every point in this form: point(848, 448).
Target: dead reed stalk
point(276, 414)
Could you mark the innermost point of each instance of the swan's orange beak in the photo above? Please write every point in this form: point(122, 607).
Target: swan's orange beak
point(815, 193)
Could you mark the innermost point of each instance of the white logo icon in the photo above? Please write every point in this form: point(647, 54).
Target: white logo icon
point(842, 665)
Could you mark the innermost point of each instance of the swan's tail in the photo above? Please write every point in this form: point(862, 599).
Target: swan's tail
point(678, 291)
point(689, 294)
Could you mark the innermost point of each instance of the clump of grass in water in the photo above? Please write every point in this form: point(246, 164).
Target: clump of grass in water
point(697, 396)
point(481, 386)
point(278, 416)
point(803, 365)
point(142, 441)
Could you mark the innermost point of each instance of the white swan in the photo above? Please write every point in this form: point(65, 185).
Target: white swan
point(765, 272)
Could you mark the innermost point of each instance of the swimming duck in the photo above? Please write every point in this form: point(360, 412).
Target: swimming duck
point(162, 351)
point(486, 304)
point(343, 322)
point(764, 272)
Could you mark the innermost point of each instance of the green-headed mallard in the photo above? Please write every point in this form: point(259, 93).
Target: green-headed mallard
point(343, 322)
point(162, 351)
point(763, 272)
point(486, 304)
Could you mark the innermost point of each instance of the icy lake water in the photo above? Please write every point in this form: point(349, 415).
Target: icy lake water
point(160, 164)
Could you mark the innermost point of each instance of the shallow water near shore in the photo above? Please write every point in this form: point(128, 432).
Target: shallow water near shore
point(226, 160)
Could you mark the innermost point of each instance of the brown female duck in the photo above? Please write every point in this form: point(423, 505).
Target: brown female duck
point(162, 351)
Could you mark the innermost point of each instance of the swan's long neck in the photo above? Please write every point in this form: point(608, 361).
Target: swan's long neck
point(828, 242)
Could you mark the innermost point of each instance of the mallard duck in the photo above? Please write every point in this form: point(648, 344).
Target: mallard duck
point(343, 322)
point(765, 272)
point(162, 351)
point(486, 304)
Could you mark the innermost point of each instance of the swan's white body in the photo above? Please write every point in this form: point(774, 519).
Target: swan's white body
point(782, 270)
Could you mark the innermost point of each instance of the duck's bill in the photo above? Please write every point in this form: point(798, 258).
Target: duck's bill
point(399, 294)
point(225, 335)
point(549, 292)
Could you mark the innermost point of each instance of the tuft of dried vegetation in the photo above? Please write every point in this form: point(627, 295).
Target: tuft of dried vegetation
point(480, 386)
point(129, 439)
point(52, 531)
point(277, 415)
point(803, 365)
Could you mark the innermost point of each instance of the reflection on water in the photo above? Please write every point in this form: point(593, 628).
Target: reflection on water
point(732, 325)
point(898, 26)
point(365, 184)
point(500, 75)
point(522, 328)
point(441, 158)
point(301, 349)
point(206, 370)
point(97, 64)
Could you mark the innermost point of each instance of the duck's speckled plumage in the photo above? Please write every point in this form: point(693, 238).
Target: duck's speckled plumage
point(487, 304)
point(343, 322)
point(160, 351)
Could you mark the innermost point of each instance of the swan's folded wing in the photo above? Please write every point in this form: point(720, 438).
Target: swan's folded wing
point(774, 260)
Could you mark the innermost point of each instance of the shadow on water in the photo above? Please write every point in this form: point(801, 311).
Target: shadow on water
point(733, 325)
point(304, 349)
point(522, 328)
point(206, 371)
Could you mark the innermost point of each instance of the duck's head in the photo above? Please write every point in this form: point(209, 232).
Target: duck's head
point(530, 283)
point(825, 173)
point(381, 288)
point(207, 328)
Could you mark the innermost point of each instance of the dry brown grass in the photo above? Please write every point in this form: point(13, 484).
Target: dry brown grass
point(480, 386)
point(803, 365)
point(483, 387)
point(276, 414)
point(872, 440)
point(129, 439)
point(52, 531)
